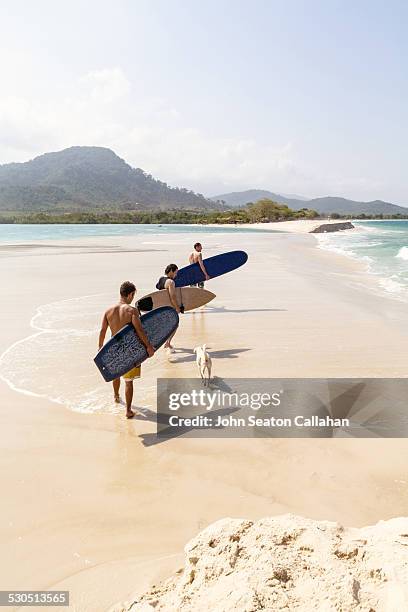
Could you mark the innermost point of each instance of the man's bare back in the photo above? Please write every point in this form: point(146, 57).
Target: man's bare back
point(197, 257)
point(194, 257)
point(119, 315)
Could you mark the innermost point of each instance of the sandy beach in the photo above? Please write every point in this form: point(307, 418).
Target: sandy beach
point(93, 503)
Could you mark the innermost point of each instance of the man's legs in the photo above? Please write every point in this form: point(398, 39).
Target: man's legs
point(116, 387)
point(129, 397)
point(168, 344)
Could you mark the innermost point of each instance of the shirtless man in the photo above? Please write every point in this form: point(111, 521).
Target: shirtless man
point(167, 282)
point(196, 257)
point(115, 318)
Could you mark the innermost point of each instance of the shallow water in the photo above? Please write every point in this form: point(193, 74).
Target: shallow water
point(22, 233)
point(54, 361)
point(382, 246)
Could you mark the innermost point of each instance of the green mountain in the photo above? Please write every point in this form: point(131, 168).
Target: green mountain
point(88, 179)
point(343, 206)
point(326, 205)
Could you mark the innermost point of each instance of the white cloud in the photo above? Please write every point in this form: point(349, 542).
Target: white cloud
point(104, 87)
point(104, 109)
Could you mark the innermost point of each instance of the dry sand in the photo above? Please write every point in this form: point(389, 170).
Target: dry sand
point(92, 504)
point(286, 563)
point(299, 226)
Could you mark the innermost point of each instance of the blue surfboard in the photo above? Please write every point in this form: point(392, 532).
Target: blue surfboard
point(125, 350)
point(215, 266)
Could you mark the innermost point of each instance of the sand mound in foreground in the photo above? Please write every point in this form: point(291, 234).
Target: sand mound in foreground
point(287, 563)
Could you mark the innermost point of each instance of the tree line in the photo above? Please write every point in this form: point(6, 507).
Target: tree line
point(262, 211)
point(366, 216)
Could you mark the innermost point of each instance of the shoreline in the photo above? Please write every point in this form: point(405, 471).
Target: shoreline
point(295, 225)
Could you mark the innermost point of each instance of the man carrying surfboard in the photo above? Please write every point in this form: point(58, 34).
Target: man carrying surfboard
point(167, 282)
point(115, 318)
point(197, 257)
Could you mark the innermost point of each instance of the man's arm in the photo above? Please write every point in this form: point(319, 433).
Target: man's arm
point(202, 266)
point(103, 330)
point(171, 288)
point(141, 332)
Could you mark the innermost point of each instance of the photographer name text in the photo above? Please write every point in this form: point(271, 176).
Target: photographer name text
point(256, 421)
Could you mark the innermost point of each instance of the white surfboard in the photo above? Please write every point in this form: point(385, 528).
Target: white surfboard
point(187, 297)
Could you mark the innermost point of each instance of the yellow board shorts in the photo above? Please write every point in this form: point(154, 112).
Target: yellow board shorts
point(132, 374)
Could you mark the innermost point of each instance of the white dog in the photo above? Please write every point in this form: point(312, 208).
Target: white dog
point(204, 363)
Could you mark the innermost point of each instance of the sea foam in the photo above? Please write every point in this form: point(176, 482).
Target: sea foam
point(402, 253)
point(55, 362)
point(380, 246)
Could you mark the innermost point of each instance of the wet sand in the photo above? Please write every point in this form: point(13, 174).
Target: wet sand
point(95, 505)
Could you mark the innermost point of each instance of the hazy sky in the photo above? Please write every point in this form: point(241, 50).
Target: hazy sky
point(305, 97)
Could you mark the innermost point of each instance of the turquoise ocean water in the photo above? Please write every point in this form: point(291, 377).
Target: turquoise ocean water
point(382, 246)
point(14, 233)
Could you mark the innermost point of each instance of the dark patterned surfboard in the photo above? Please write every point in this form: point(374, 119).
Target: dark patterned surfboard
point(125, 350)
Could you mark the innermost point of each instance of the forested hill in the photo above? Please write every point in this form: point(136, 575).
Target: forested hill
point(88, 179)
point(325, 205)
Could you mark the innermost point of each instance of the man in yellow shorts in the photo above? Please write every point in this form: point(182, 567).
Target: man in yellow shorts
point(115, 318)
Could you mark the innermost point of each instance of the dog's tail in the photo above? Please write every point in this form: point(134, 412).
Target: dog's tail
point(204, 347)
